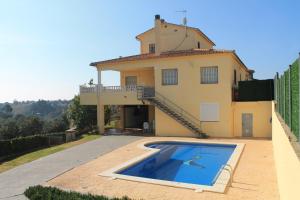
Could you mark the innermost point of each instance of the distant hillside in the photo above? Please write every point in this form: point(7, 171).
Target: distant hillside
point(44, 109)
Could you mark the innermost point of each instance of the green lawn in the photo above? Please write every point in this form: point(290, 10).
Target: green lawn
point(44, 152)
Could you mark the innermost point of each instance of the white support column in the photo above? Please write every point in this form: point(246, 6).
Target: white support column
point(99, 76)
point(99, 85)
point(100, 106)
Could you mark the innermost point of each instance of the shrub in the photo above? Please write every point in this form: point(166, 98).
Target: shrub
point(48, 193)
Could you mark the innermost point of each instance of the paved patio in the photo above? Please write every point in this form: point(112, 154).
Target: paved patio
point(254, 177)
point(15, 181)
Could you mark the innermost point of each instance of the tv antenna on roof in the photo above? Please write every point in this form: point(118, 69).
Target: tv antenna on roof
point(184, 21)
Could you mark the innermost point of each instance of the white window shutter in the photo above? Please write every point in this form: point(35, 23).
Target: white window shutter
point(209, 112)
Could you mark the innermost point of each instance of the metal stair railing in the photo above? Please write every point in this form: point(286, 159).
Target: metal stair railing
point(149, 93)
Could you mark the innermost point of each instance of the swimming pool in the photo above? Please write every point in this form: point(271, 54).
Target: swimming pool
point(183, 162)
point(194, 165)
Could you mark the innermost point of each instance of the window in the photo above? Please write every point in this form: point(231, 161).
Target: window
point(152, 48)
point(169, 77)
point(199, 45)
point(209, 75)
point(130, 80)
point(234, 77)
point(209, 112)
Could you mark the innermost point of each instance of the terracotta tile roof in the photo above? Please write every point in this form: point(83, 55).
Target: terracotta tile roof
point(166, 55)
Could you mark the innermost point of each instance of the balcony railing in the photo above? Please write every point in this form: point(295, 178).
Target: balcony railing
point(128, 88)
point(107, 89)
point(88, 89)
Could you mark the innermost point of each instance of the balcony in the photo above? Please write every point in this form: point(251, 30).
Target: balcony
point(109, 95)
point(88, 95)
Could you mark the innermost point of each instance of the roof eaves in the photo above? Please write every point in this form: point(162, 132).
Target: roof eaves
point(138, 36)
point(163, 55)
point(239, 60)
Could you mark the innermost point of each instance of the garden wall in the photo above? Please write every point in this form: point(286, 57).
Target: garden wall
point(286, 159)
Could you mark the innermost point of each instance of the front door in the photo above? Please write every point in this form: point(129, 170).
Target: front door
point(247, 124)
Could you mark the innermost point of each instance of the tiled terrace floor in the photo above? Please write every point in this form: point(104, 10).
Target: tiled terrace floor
point(254, 177)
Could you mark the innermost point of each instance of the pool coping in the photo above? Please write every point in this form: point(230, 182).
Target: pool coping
point(220, 183)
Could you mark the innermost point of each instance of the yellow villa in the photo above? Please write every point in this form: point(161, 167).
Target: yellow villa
point(180, 85)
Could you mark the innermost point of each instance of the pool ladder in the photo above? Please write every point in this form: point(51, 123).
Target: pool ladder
point(230, 170)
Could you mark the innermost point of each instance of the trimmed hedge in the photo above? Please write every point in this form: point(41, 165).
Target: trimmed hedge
point(50, 193)
point(22, 144)
point(5, 147)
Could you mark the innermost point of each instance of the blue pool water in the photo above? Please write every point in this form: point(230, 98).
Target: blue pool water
point(183, 162)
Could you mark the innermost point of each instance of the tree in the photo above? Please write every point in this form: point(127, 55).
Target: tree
point(8, 129)
point(82, 116)
point(41, 107)
point(57, 125)
point(31, 126)
point(7, 109)
point(19, 117)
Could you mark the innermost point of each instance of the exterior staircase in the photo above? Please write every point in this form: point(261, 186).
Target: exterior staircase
point(167, 106)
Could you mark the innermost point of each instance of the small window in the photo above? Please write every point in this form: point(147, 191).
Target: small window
point(152, 48)
point(169, 77)
point(234, 77)
point(209, 75)
point(198, 45)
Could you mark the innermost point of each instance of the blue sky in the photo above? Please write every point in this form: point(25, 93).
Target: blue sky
point(46, 46)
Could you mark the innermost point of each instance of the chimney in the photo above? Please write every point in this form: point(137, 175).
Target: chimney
point(157, 32)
